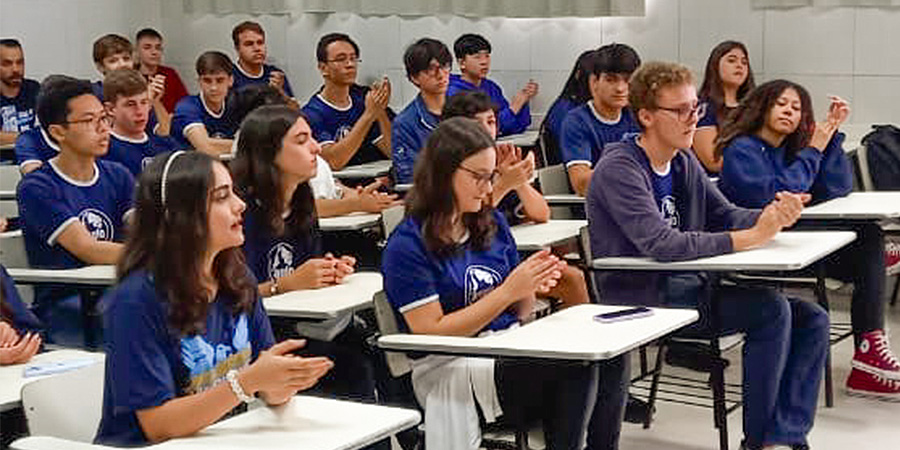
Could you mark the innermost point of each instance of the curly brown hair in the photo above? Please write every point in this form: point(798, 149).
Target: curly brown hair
point(649, 79)
point(170, 240)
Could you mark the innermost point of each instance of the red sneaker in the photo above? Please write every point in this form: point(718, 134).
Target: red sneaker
point(865, 384)
point(891, 256)
point(873, 355)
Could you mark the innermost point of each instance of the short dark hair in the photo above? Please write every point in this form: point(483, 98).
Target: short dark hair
point(467, 104)
point(252, 96)
point(123, 83)
point(247, 25)
point(54, 96)
point(109, 45)
point(470, 44)
point(615, 58)
point(419, 54)
point(147, 33)
point(212, 62)
point(328, 39)
point(10, 42)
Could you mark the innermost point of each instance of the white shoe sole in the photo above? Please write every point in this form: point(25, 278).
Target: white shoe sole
point(889, 374)
point(894, 398)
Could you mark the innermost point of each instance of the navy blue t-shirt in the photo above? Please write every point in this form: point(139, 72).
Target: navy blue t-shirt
point(271, 256)
point(414, 277)
point(23, 320)
point(148, 363)
point(17, 114)
point(242, 78)
point(664, 196)
point(409, 131)
point(330, 124)
point(191, 111)
point(507, 121)
point(136, 154)
point(708, 114)
point(34, 146)
point(585, 133)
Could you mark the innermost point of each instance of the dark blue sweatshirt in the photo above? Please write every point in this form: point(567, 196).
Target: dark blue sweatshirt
point(754, 171)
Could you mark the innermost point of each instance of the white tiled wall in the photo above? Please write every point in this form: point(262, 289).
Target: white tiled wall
point(844, 51)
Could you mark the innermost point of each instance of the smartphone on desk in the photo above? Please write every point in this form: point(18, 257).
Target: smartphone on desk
point(624, 314)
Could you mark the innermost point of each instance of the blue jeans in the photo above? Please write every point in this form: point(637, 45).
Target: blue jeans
point(784, 353)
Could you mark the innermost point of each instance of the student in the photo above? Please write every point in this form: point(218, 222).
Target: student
point(18, 94)
point(187, 337)
point(276, 158)
point(473, 53)
point(249, 40)
point(451, 268)
point(113, 52)
point(351, 122)
point(73, 208)
point(604, 119)
point(575, 93)
point(20, 330)
point(650, 197)
point(727, 81)
point(149, 61)
point(773, 144)
point(427, 63)
point(128, 102)
point(201, 121)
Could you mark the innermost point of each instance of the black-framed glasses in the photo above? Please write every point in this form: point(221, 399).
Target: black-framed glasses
point(105, 119)
point(434, 69)
point(686, 113)
point(482, 178)
point(345, 59)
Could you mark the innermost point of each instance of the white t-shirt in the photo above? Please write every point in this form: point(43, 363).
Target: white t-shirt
point(324, 184)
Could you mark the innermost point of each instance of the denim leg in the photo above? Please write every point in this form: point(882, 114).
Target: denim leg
point(796, 407)
point(609, 410)
point(764, 315)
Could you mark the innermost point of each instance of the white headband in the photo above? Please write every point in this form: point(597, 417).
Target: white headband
point(165, 175)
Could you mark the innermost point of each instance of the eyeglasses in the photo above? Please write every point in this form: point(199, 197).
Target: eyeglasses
point(345, 59)
point(434, 69)
point(684, 114)
point(482, 179)
point(104, 119)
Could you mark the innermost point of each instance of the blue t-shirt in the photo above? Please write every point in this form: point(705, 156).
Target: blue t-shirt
point(148, 363)
point(17, 113)
point(242, 78)
point(49, 201)
point(34, 145)
point(270, 256)
point(414, 277)
point(585, 133)
point(23, 320)
point(409, 131)
point(708, 114)
point(330, 124)
point(136, 154)
point(553, 125)
point(507, 121)
point(191, 111)
point(664, 196)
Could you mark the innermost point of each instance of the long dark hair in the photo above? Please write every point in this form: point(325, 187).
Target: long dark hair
point(431, 199)
point(712, 90)
point(751, 116)
point(259, 179)
point(170, 240)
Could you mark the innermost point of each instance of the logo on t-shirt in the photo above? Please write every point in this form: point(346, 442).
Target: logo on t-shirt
point(97, 223)
point(145, 162)
point(280, 260)
point(208, 364)
point(341, 132)
point(479, 281)
point(669, 211)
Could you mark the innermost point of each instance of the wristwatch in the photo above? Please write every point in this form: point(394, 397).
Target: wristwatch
point(231, 376)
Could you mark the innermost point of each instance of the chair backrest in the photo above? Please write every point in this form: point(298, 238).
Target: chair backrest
point(584, 250)
point(12, 250)
point(390, 218)
point(555, 180)
point(9, 179)
point(66, 405)
point(398, 363)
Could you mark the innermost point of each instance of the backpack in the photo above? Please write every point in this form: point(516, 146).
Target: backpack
point(883, 157)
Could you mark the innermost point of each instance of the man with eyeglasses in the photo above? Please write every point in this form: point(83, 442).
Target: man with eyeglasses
point(249, 40)
point(650, 197)
point(352, 123)
point(427, 64)
point(74, 207)
point(603, 119)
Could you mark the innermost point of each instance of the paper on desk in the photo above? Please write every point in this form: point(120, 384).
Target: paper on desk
point(54, 367)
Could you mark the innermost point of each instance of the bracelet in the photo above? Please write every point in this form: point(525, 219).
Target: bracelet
point(273, 288)
point(231, 376)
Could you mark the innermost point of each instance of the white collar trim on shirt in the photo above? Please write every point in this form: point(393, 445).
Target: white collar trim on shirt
point(73, 182)
point(663, 172)
point(262, 70)
point(333, 106)
point(209, 111)
point(600, 118)
point(48, 140)
point(142, 140)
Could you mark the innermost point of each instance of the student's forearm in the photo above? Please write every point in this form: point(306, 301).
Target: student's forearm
point(8, 137)
point(704, 148)
point(339, 153)
point(580, 178)
point(384, 144)
point(163, 119)
point(747, 239)
point(327, 207)
point(99, 252)
point(185, 416)
point(466, 321)
point(533, 203)
point(216, 146)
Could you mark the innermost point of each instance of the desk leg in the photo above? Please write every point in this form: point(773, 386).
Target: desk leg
point(822, 299)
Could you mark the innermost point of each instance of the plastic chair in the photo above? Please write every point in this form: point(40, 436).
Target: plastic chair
point(66, 405)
